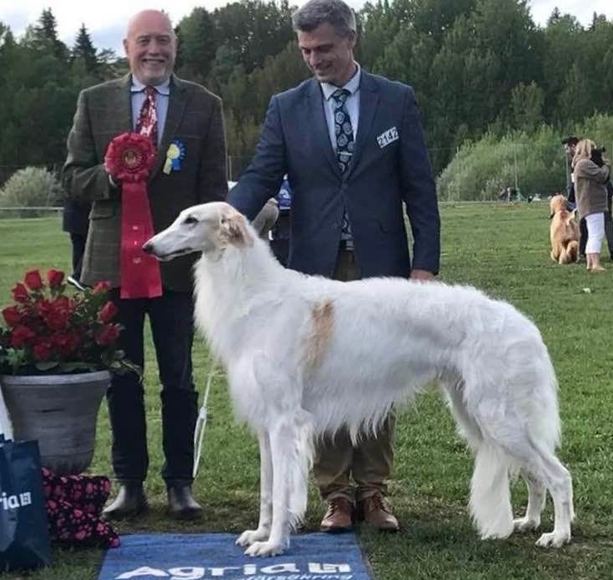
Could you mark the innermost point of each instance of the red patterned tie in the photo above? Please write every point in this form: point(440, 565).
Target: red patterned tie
point(148, 119)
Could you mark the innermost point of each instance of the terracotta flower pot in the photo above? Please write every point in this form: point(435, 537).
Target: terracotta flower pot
point(60, 411)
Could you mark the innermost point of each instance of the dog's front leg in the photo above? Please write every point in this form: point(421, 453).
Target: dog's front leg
point(282, 447)
point(248, 537)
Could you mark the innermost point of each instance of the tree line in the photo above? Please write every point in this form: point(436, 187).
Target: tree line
point(479, 67)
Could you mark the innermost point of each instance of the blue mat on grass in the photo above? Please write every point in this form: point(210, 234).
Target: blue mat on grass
point(210, 556)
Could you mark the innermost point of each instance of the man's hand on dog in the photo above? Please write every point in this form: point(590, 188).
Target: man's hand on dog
point(421, 275)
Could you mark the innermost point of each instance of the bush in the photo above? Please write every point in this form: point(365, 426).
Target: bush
point(30, 187)
point(599, 129)
point(535, 163)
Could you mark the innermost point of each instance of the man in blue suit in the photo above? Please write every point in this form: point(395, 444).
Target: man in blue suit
point(352, 146)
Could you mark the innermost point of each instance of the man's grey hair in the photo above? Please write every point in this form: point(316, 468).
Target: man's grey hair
point(317, 12)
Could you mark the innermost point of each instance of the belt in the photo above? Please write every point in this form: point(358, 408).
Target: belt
point(346, 245)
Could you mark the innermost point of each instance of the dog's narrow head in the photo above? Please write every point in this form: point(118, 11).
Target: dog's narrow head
point(208, 228)
point(557, 203)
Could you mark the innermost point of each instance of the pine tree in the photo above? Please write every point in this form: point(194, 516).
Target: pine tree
point(48, 25)
point(44, 37)
point(84, 49)
point(3, 32)
point(555, 17)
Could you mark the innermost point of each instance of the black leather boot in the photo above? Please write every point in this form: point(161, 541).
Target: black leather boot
point(130, 502)
point(182, 504)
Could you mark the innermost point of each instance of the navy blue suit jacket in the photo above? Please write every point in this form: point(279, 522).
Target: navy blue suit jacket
point(384, 174)
point(75, 217)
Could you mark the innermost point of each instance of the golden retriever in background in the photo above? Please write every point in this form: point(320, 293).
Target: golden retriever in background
point(564, 231)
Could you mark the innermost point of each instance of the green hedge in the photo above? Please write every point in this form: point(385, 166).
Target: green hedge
point(535, 163)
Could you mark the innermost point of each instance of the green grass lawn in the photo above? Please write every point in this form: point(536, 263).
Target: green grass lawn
point(502, 249)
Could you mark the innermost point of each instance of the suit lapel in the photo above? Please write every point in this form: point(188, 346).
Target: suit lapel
point(320, 126)
point(123, 103)
point(369, 100)
point(176, 109)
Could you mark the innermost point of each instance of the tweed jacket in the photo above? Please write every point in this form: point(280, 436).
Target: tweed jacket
point(390, 171)
point(104, 111)
point(590, 188)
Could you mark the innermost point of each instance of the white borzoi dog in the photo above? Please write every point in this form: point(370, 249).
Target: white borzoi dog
point(306, 355)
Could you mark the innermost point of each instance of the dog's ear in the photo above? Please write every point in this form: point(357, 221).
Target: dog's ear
point(551, 215)
point(234, 226)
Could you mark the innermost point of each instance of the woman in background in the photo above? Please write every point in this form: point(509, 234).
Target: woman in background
point(591, 196)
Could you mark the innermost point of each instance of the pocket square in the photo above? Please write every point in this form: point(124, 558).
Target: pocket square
point(387, 137)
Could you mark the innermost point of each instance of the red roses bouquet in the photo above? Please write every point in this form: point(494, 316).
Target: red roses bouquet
point(47, 331)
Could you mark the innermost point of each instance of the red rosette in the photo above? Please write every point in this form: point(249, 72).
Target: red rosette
point(130, 157)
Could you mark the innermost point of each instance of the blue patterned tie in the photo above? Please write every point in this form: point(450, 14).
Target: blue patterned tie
point(344, 144)
point(342, 129)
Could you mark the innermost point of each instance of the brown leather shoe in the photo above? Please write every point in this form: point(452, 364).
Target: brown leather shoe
point(375, 511)
point(338, 517)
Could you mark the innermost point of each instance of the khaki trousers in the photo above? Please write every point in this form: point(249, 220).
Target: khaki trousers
point(337, 460)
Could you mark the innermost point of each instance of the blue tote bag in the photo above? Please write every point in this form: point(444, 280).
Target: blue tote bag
point(24, 535)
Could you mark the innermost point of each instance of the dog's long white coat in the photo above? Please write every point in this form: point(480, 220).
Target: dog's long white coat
point(380, 341)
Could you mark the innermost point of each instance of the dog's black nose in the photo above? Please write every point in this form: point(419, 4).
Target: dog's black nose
point(148, 247)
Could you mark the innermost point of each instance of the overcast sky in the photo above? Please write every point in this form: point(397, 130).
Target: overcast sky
point(106, 19)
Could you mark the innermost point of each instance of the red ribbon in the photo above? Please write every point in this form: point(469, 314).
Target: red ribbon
point(130, 159)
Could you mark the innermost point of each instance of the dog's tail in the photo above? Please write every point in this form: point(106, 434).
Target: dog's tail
point(490, 501)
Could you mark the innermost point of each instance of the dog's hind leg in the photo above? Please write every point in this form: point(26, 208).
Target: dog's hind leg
point(546, 470)
point(490, 501)
point(520, 449)
point(537, 494)
point(262, 532)
point(558, 481)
